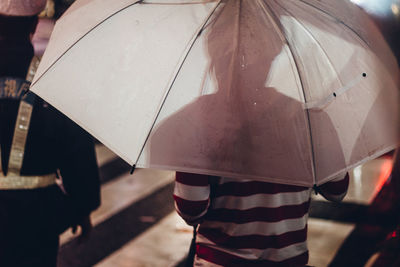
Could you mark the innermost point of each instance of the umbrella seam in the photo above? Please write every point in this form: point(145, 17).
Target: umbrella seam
point(187, 3)
point(341, 21)
point(316, 41)
point(173, 81)
point(334, 94)
point(83, 36)
point(276, 21)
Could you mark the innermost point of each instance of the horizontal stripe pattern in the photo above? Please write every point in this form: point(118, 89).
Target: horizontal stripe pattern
point(229, 258)
point(190, 192)
point(248, 223)
point(270, 254)
point(257, 227)
point(263, 200)
point(191, 208)
point(191, 195)
point(254, 241)
point(248, 188)
point(192, 179)
point(258, 214)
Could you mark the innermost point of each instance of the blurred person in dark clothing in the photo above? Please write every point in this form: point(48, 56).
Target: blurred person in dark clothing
point(36, 143)
point(60, 6)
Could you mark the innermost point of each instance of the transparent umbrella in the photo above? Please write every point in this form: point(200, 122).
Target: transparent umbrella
point(287, 91)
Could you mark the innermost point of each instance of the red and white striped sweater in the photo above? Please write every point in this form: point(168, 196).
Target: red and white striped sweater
point(247, 222)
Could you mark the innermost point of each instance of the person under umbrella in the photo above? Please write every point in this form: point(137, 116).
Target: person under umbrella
point(244, 222)
point(247, 222)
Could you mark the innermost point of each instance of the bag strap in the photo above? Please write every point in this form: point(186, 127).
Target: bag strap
point(19, 139)
point(192, 250)
point(12, 90)
point(32, 68)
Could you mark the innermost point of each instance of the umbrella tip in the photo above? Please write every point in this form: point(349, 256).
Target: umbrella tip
point(133, 168)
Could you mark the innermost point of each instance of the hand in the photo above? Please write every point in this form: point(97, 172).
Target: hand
point(86, 227)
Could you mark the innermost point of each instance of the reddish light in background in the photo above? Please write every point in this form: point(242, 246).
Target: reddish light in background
point(394, 234)
point(384, 174)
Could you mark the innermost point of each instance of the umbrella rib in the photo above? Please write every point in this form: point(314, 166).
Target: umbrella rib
point(232, 66)
point(276, 23)
point(341, 21)
point(184, 3)
point(173, 81)
point(83, 36)
point(316, 42)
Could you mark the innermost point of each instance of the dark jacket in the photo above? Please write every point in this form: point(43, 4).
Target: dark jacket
point(53, 143)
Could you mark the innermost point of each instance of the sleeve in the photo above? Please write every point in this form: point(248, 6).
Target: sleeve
point(192, 196)
point(336, 189)
point(78, 169)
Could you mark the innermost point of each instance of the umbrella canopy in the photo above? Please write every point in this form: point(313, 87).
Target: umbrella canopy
point(288, 91)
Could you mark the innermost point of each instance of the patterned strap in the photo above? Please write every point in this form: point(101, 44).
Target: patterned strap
point(32, 68)
point(27, 182)
point(19, 139)
point(14, 88)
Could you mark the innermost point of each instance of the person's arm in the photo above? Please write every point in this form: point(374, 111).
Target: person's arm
point(335, 190)
point(192, 196)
